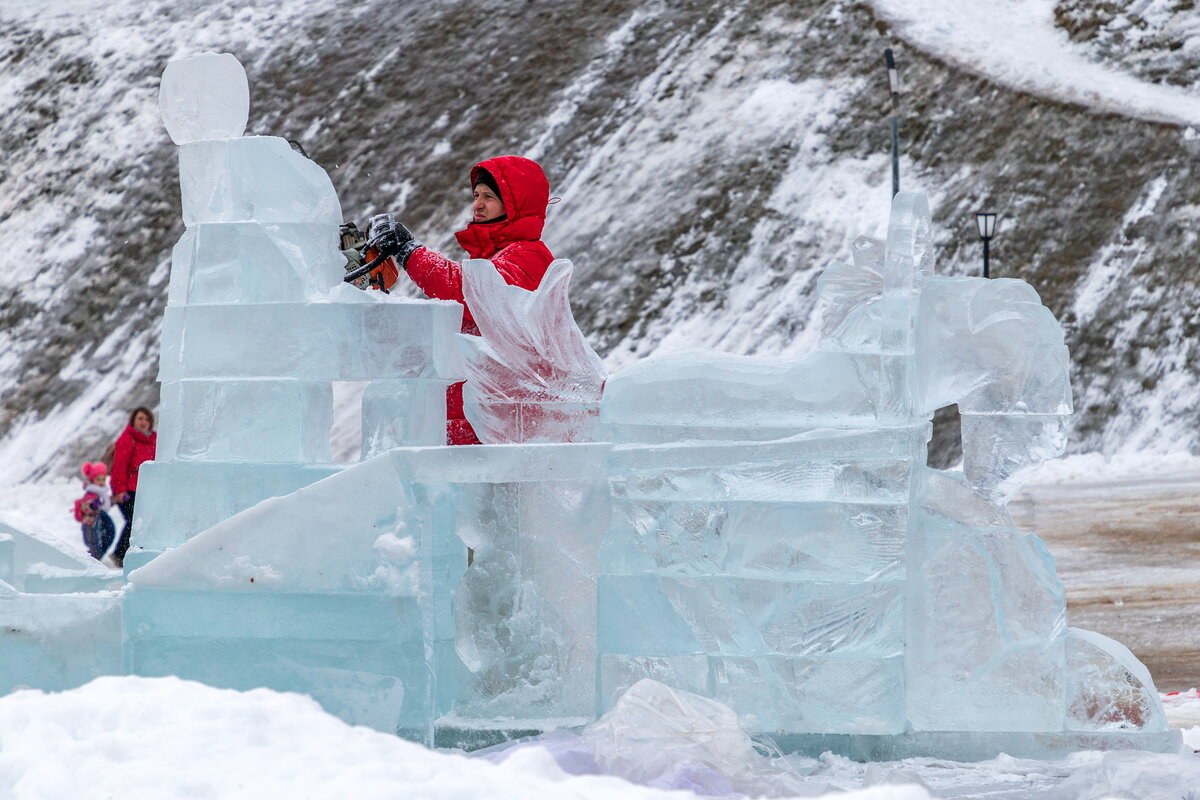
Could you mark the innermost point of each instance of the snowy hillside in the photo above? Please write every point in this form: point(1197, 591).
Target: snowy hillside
point(711, 159)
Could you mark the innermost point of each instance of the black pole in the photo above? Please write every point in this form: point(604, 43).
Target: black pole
point(985, 256)
point(894, 89)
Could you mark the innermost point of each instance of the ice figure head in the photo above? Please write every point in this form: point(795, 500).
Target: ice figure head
point(204, 97)
point(989, 346)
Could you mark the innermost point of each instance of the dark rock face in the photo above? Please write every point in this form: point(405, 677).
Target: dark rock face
point(712, 159)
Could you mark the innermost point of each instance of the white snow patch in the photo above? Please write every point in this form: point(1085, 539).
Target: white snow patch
point(1015, 43)
point(395, 549)
point(1096, 467)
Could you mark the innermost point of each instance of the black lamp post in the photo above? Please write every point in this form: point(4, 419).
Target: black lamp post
point(894, 88)
point(986, 222)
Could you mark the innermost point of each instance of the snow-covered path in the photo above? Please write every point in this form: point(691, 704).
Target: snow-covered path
point(1015, 43)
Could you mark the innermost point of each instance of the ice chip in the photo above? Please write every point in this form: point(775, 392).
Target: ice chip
point(1109, 688)
point(659, 736)
point(204, 97)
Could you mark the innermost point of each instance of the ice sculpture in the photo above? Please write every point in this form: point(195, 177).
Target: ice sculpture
point(762, 533)
point(258, 325)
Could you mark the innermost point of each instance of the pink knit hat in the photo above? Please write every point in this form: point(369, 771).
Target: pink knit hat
point(91, 471)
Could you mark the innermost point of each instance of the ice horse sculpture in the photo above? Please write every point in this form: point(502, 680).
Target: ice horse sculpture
point(761, 532)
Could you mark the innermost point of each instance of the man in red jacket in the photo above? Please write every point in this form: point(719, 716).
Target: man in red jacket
point(508, 208)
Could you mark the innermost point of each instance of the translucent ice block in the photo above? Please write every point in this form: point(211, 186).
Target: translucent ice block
point(26, 550)
point(371, 340)
point(1001, 450)
point(360, 656)
point(248, 420)
point(204, 97)
point(361, 542)
point(767, 481)
point(798, 541)
point(987, 625)
point(249, 262)
point(526, 608)
point(849, 295)
point(719, 390)
point(177, 500)
point(58, 641)
point(991, 347)
point(253, 179)
point(813, 695)
point(750, 617)
point(402, 413)
point(45, 579)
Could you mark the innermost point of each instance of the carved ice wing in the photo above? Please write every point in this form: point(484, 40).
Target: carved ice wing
point(533, 375)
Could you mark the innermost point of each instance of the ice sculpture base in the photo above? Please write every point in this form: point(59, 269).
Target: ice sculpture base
point(58, 641)
point(360, 656)
point(974, 745)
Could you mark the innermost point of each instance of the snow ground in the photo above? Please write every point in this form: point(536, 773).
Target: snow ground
point(44, 510)
point(1016, 43)
point(152, 738)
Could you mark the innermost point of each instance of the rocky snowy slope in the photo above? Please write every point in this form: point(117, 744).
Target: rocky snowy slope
point(712, 158)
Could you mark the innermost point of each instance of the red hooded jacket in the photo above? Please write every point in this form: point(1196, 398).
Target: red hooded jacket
point(133, 448)
point(513, 245)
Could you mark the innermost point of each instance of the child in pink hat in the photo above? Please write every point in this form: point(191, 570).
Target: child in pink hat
point(91, 510)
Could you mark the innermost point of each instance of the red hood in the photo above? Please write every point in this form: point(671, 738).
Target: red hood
point(525, 193)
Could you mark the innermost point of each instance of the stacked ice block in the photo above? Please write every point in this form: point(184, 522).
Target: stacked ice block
point(324, 597)
point(760, 545)
point(258, 325)
point(60, 615)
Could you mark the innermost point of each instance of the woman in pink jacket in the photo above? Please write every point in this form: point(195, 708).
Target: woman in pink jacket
point(134, 447)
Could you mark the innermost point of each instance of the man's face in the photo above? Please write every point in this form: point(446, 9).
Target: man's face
point(485, 204)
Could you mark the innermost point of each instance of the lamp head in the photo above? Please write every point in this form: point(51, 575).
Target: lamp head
point(986, 223)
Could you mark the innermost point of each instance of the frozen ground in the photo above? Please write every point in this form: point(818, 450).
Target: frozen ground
point(1126, 539)
point(1123, 534)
